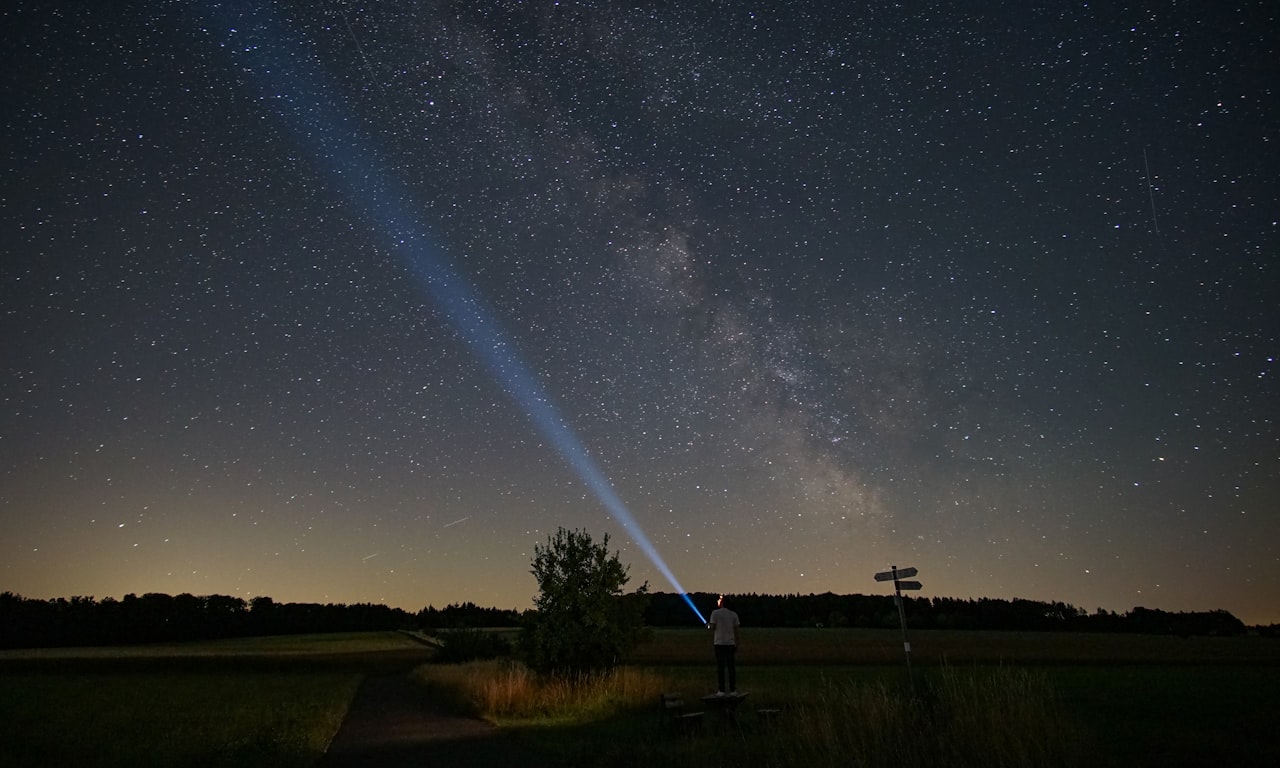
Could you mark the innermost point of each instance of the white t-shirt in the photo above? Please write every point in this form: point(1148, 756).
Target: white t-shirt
point(724, 621)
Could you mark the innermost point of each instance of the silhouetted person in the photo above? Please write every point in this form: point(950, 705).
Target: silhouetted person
point(724, 625)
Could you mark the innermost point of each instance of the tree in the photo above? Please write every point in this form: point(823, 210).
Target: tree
point(582, 621)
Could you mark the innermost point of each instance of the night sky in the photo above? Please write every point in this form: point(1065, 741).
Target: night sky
point(358, 302)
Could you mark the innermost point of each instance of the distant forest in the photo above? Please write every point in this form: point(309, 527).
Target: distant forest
point(881, 611)
point(160, 618)
point(156, 617)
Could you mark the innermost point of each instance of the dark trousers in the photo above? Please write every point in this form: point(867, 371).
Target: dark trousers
point(725, 666)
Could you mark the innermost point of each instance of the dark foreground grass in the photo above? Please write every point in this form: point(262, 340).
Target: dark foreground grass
point(981, 698)
point(172, 718)
point(263, 702)
point(1096, 715)
point(984, 698)
point(1176, 716)
point(865, 717)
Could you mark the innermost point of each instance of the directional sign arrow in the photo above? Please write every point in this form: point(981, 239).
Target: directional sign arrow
point(908, 585)
point(902, 573)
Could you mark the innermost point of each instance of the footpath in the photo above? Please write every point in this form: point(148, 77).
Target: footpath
point(393, 723)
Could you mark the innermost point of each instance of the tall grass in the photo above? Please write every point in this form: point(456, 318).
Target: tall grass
point(1009, 716)
point(985, 717)
point(507, 692)
point(989, 717)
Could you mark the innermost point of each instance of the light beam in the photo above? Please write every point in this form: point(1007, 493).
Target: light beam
point(306, 106)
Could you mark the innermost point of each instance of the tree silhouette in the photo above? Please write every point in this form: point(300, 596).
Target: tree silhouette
point(582, 621)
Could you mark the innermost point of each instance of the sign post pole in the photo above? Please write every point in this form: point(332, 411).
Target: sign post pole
point(897, 576)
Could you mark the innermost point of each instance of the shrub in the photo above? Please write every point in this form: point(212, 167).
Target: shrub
point(581, 622)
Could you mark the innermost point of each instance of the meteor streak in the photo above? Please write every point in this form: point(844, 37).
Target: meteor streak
point(261, 46)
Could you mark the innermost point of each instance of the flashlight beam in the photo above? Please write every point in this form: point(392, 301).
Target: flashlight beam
point(306, 106)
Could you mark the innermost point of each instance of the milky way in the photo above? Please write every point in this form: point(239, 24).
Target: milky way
point(819, 289)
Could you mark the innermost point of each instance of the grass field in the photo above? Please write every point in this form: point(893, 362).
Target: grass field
point(932, 647)
point(1098, 700)
point(1101, 700)
point(261, 702)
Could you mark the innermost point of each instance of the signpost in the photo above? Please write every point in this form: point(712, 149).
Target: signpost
point(896, 575)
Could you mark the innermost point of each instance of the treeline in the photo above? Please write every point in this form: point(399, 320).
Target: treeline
point(880, 611)
point(158, 618)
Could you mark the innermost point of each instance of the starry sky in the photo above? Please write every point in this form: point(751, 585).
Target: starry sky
point(346, 302)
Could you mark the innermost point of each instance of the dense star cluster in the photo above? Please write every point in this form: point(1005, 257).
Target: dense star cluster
point(819, 286)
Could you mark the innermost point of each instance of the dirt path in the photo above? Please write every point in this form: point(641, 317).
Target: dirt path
point(393, 724)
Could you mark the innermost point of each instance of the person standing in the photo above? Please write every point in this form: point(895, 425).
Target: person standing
point(724, 626)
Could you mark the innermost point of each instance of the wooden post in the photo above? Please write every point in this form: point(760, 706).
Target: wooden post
point(902, 619)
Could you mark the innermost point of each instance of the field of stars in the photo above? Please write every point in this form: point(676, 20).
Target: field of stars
point(305, 300)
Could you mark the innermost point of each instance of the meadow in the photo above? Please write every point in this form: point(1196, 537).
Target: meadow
point(976, 698)
point(273, 701)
